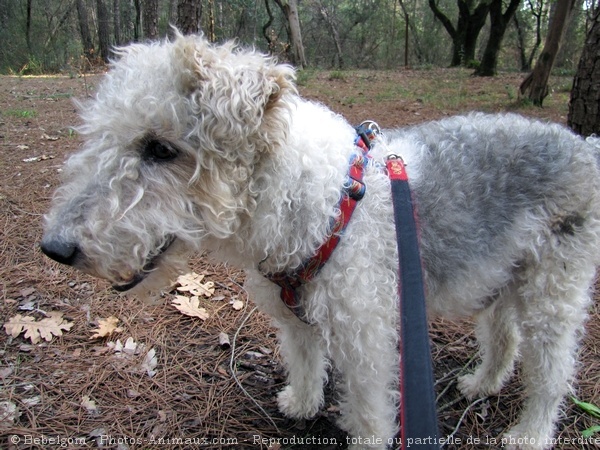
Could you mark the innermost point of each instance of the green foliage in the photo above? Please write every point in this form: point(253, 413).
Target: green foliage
point(337, 75)
point(32, 67)
point(304, 76)
point(593, 411)
point(20, 113)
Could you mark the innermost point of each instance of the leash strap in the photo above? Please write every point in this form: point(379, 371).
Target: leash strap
point(418, 416)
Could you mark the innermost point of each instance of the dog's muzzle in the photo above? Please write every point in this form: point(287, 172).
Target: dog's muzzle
point(70, 254)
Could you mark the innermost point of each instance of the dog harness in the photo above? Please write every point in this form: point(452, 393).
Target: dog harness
point(418, 417)
point(353, 191)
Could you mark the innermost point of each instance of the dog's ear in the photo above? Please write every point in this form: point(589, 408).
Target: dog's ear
point(234, 89)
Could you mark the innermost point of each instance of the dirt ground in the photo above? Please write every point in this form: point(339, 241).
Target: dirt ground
point(76, 391)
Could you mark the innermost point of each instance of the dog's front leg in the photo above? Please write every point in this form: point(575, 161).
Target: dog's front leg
point(301, 347)
point(306, 365)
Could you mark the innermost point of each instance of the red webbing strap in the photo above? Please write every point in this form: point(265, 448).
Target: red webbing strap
point(418, 416)
point(352, 193)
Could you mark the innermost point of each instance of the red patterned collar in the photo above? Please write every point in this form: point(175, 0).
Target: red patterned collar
point(352, 193)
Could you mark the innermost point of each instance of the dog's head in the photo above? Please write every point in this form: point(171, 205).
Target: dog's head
point(172, 140)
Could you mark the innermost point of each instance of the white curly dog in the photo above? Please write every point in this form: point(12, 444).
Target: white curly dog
point(198, 147)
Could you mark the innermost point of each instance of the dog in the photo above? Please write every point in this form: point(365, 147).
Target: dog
point(191, 146)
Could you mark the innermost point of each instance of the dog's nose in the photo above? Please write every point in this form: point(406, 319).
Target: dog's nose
point(60, 251)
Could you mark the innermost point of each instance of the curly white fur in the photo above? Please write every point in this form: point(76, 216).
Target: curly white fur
point(191, 146)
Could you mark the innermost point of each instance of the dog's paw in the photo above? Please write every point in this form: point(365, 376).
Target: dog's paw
point(471, 386)
point(295, 406)
point(517, 439)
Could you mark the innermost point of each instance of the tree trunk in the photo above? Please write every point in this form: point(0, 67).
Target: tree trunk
point(117, 22)
point(189, 13)
point(269, 36)
point(212, 37)
point(464, 36)
point(290, 12)
point(584, 113)
point(84, 29)
point(150, 19)
point(103, 33)
point(137, 26)
point(28, 26)
point(535, 85)
point(330, 21)
point(499, 23)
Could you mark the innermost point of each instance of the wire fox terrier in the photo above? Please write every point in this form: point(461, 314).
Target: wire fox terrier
point(198, 147)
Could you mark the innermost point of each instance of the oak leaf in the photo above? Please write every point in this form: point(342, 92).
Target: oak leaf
point(190, 306)
point(106, 327)
point(46, 328)
point(192, 283)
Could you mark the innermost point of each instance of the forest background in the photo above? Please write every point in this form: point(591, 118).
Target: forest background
point(73, 35)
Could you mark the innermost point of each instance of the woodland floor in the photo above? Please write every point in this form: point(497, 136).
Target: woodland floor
point(77, 391)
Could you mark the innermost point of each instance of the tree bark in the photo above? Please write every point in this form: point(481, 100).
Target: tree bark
point(137, 25)
point(212, 37)
point(28, 26)
point(584, 113)
point(189, 13)
point(535, 85)
point(269, 36)
point(498, 23)
point(117, 22)
point(84, 29)
point(290, 12)
point(103, 33)
point(150, 19)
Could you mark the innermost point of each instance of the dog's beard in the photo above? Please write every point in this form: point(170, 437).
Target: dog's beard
point(168, 266)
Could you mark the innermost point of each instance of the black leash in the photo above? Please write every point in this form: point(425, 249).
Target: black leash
point(418, 416)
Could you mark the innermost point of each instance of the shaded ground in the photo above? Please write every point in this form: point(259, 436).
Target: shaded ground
point(194, 394)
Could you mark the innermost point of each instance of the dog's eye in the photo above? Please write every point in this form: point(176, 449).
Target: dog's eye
point(159, 151)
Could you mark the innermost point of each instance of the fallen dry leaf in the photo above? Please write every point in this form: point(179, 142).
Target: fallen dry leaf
point(131, 350)
point(237, 305)
point(46, 329)
point(190, 306)
point(9, 413)
point(17, 324)
point(192, 283)
point(106, 327)
point(88, 404)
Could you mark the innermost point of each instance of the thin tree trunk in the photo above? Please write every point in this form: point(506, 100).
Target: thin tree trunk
point(296, 35)
point(290, 13)
point(103, 33)
point(535, 85)
point(84, 29)
point(499, 23)
point(212, 37)
point(271, 41)
point(28, 26)
point(330, 21)
point(150, 22)
point(59, 25)
point(137, 27)
point(117, 22)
